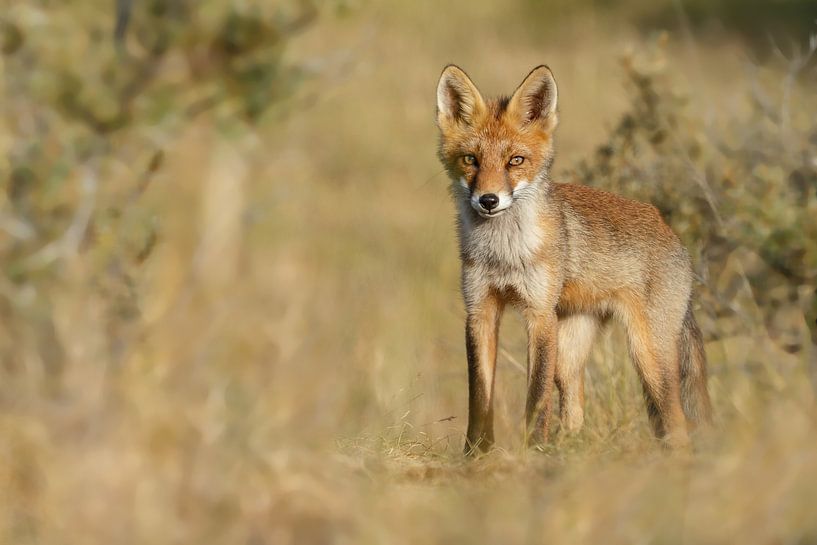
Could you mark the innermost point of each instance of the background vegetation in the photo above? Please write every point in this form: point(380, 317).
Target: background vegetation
point(229, 284)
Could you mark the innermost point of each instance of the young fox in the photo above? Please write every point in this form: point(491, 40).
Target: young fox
point(570, 257)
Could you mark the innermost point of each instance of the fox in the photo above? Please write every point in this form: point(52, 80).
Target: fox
point(568, 256)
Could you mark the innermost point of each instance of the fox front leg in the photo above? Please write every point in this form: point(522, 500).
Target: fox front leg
point(481, 332)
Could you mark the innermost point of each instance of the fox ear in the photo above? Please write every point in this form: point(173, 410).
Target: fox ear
point(534, 101)
point(458, 99)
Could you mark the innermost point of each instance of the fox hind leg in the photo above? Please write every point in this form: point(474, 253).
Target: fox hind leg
point(653, 350)
point(575, 339)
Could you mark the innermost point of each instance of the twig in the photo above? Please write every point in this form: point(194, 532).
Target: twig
point(513, 361)
point(16, 227)
point(68, 244)
point(795, 64)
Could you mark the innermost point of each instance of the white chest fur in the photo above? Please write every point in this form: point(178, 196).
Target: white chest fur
point(502, 252)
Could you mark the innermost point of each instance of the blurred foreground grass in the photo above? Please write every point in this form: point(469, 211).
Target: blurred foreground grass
point(229, 289)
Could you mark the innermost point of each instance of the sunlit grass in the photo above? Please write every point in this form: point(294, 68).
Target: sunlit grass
point(260, 339)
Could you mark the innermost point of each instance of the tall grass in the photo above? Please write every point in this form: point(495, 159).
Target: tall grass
point(230, 307)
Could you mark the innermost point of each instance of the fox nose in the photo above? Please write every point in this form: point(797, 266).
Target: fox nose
point(489, 201)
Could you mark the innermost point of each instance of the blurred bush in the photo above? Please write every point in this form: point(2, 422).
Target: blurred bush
point(93, 92)
point(741, 192)
point(757, 23)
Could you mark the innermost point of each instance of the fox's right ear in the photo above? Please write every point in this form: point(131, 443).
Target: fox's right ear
point(458, 99)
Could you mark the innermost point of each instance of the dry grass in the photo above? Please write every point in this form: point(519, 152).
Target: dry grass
point(263, 344)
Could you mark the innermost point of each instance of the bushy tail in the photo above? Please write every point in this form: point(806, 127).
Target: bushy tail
point(694, 395)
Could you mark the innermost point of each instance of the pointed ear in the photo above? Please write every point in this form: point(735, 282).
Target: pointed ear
point(534, 101)
point(458, 99)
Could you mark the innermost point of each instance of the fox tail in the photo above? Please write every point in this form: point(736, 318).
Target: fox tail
point(694, 394)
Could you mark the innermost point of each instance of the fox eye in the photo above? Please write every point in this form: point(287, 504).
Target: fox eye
point(516, 160)
point(469, 159)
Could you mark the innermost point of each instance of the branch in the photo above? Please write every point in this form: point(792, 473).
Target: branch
point(68, 244)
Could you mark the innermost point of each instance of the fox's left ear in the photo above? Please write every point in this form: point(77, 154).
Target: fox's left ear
point(534, 101)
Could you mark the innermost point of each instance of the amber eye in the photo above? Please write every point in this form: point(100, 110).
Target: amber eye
point(469, 159)
point(516, 160)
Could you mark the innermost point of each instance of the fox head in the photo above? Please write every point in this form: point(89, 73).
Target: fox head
point(498, 150)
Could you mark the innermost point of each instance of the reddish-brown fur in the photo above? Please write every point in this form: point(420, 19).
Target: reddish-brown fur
point(569, 257)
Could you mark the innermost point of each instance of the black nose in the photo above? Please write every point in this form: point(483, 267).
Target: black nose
point(489, 201)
